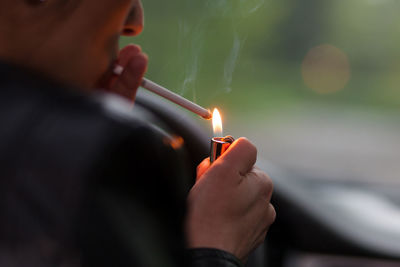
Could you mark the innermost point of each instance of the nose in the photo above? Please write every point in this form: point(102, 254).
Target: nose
point(135, 21)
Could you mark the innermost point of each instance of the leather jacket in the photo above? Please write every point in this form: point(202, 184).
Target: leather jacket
point(83, 185)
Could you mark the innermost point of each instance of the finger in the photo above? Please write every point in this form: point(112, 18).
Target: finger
point(263, 183)
point(131, 78)
point(202, 168)
point(272, 213)
point(127, 53)
point(241, 156)
point(268, 219)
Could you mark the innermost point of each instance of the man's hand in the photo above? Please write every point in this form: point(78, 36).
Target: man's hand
point(229, 206)
point(134, 62)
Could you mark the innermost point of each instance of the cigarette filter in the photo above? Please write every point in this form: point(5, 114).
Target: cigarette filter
point(219, 145)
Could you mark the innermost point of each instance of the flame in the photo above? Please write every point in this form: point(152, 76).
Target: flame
point(217, 123)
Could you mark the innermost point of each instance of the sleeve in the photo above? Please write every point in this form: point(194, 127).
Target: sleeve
point(134, 215)
point(206, 257)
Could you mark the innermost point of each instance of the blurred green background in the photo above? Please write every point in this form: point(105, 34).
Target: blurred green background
point(314, 83)
point(246, 55)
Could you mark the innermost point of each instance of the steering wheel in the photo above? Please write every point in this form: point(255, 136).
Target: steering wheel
point(175, 122)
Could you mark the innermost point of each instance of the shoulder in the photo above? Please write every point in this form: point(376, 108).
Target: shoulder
point(136, 142)
point(47, 124)
point(89, 165)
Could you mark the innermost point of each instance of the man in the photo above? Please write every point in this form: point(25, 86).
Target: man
point(80, 185)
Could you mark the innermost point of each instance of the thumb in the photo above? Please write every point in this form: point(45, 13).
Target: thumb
point(134, 63)
point(240, 156)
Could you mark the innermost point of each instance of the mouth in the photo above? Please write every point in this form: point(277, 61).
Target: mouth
point(105, 78)
point(113, 50)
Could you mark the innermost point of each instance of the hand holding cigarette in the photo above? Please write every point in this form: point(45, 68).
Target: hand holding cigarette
point(119, 70)
point(229, 206)
point(127, 77)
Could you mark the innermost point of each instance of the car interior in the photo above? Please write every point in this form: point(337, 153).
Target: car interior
point(319, 222)
point(314, 84)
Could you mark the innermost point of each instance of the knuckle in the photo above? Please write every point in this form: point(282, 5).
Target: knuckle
point(128, 52)
point(269, 216)
point(134, 48)
point(137, 61)
point(269, 183)
point(272, 212)
point(266, 184)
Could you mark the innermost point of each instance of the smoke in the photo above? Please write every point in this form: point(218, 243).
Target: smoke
point(194, 33)
point(252, 6)
point(193, 39)
point(230, 62)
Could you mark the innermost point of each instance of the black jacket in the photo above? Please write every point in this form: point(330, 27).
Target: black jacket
point(82, 185)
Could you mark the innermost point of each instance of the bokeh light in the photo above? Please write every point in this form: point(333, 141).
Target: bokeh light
point(326, 69)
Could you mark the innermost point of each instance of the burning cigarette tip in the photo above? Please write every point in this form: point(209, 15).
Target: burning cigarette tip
point(208, 116)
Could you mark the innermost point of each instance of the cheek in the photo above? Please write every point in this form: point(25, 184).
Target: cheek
point(107, 43)
point(101, 62)
point(103, 39)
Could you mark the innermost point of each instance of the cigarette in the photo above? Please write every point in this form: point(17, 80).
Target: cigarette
point(163, 92)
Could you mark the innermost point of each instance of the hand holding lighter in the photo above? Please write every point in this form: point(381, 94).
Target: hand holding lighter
point(219, 145)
